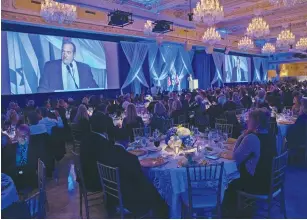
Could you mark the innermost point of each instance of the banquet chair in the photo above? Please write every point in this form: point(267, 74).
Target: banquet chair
point(221, 120)
point(83, 192)
point(76, 134)
point(204, 190)
point(276, 193)
point(225, 128)
point(181, 119)
point(110, 182)
point(41, 175)
point(142, 132)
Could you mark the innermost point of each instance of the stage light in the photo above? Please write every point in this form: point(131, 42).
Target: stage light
point(162, 26)
point(120, 18)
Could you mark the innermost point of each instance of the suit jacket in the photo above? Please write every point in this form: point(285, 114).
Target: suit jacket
point(139, 195)
point(51, 79)
point(102, 123)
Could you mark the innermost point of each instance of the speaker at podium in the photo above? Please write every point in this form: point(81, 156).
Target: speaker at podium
point(193, 83)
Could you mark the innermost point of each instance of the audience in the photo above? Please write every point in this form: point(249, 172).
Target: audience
point(82, 119)
point(51, 119)
point(176, 111)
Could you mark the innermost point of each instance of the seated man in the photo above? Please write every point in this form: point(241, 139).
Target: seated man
point(139, 195)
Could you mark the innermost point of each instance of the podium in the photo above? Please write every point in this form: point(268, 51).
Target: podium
point(193, 84)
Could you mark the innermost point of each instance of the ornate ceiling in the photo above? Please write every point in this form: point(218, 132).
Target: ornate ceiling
point(238, 13)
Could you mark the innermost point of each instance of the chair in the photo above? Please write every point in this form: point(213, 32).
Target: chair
point(221, 120)
point(76, 134)
point(105, 135)
point(83, 192)
point(142, 132)
point(225, 128)
point(186, 125)
point(36, 206)
point(181, 119)
point(204, 189)
point(273, 127)
point(41, 176)
point(279, 166)
point(110, 182)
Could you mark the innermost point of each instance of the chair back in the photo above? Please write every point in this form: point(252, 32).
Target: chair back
point(142, 132)
point(41, 175)
point(105, 135)
point(36, 206)
point(186, 125)
point(110, 182)
point(167, 124)
point(76, 134)
point(221, 120)
point(225, 128)
point(273, 127)
point(181, 119)
point(206, 178)
point(78, 171)
point(279, 166)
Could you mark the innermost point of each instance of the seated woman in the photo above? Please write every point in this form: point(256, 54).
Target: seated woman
point(297, 133)
point(253, 153)
point(20, 160)
point(236, 100)
point(176, 110)
point(159, 117)
point(82, 119)
point(132, 120)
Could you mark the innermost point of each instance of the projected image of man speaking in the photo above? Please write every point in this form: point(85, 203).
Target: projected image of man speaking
point(66, 73)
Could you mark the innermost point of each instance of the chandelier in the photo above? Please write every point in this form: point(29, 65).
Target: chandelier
point(208, 11)
point(55, 12)
point(302, 44)
point(268, 48)
point(287, 3)
point(211, 36)
point(148, 27)
point(285, 38)
point(258, 28)
point(246, 44)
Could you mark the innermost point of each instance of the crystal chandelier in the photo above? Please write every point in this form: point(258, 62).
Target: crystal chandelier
point(148, 27)
point(246, 44)
point(268, 48)
point(302, 44)
point(55, 12)
point(208, 11)
point(258, 28)
point(285, 38)
point(211, 36)
point(287, 3)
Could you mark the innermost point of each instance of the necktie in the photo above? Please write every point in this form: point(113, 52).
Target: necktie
point(70, 81)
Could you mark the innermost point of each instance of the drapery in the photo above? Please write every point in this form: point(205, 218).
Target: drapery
point(265, 68)
point(219, 59)
point(204, 67)
point(168, 54)
point(135, 54)
point(186, 58)
point(257, 65)
point(154, 66)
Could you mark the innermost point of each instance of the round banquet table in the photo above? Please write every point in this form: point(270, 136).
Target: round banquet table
point(171, 180)
point(282, 132)
point(8, 191)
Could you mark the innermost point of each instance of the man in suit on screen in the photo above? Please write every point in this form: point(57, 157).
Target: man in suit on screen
point(238, 72)
point(66, 73)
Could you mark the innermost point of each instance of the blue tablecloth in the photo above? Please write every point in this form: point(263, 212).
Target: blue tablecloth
point(8, 191)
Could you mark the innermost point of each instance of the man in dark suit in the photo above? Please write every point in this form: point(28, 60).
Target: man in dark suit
point(238, 72)
point(101, 122)
point(139, 195)
point(66, 74)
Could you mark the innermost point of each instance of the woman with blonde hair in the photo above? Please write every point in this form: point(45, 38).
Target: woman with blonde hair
point(132, 120)
point(82, 119)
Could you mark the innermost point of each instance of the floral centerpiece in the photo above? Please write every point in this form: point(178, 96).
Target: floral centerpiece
point(179, 136)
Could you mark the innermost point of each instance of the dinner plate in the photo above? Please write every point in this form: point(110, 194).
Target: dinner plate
point(153, 162)
point(138, 152)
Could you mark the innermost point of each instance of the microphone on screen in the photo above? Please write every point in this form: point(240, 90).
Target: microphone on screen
point(72, 76)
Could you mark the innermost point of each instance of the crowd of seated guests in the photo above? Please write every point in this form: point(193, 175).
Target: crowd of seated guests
point(44, 124)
